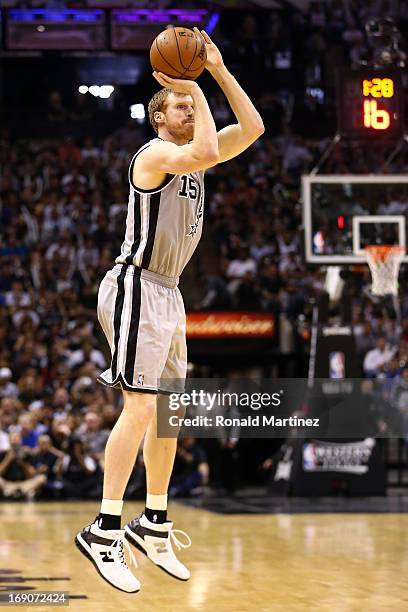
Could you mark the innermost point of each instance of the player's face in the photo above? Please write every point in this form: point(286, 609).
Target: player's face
point(179, 114)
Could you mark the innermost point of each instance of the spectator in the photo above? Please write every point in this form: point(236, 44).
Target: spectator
point(296, 157)
point(9, 411)
point(85, 354)
point(90, 150)
point(17, 297)
point(18, 477)
point(375, 360)
point(238, 268)
point(261, 248)
point(247, 296)
point(29, 433)
point(81, 473)
point(4, 438)
point(48, 461)
point(270, 283)
point(217, 296)
point(7, 388)
point(191, 469)
point(365, 339)
point(228, 453)
point(399, 398)
point(93, 436)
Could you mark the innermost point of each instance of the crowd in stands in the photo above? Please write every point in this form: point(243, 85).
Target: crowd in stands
point(62, 216)
point(63, 205)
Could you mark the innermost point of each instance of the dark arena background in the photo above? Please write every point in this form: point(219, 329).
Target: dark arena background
point(298, 286)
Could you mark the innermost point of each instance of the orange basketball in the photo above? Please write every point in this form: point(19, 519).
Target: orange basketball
point(179, 52)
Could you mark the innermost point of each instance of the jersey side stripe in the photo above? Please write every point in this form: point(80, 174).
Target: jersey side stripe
point(145, 199)
point(153, 216)
point(135, 203)
point(125, 322)
point(133, 329)
point(120, 297)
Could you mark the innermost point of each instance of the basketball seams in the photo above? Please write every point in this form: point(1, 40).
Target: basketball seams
point(194, 58)
point(178, 51)
point(164, 59)
point(194, 55)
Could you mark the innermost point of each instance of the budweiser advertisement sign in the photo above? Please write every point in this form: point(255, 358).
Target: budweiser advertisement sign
point(230, 325)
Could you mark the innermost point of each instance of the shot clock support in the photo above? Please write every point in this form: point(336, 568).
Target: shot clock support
point(394, 153)
point(329, 150)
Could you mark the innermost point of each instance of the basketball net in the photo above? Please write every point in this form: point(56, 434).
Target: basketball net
point(384, 261)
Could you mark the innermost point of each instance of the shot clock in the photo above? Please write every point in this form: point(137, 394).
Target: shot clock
point(370, 104)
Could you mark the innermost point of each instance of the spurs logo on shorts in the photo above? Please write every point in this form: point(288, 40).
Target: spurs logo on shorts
point(139, 305)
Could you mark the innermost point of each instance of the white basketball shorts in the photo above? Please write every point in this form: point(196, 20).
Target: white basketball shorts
point(143, 318)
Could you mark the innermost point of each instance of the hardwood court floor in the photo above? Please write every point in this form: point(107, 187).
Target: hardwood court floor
point(281, 562)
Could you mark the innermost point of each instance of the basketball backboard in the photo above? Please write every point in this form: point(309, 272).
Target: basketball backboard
point(344, 213)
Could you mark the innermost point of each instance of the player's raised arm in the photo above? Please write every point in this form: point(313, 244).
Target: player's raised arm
point(179, 153)
point(233, 139)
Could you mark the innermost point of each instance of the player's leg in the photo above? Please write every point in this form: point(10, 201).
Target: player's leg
point(151, 532)
point(121, 451)
point(102, 541)
point(158, 455)
point(120, 301)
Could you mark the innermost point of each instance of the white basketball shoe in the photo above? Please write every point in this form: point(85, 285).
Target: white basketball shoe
point(155, 541)
point(104, 547)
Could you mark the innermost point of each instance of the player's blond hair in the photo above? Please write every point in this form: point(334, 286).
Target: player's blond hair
point(158, 104)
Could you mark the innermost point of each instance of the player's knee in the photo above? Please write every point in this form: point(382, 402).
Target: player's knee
point(139, 406)
point(165, 409)
point(180, 412)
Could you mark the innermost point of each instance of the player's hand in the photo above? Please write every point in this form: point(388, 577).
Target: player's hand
point(214, 57)
point(180, 85)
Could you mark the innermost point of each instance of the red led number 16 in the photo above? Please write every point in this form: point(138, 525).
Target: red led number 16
point(374, 117)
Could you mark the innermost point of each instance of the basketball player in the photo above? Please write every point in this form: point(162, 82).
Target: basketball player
point(141, 309)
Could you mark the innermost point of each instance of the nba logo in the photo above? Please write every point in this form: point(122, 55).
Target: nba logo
point(140, 378)
point(337, 365)
point(309, 457)
point(318, 242)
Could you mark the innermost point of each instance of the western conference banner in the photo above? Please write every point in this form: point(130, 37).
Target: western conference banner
point(315, 468)
point(346, 457)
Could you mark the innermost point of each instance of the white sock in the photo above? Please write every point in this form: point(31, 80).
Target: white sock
point(112, 506)
point(156, 502)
